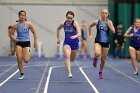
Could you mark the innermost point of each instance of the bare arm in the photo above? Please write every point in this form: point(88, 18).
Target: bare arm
point(34, 34)
point(11, 33)
point(58, 32)
point(111, 27)
point(90, 27)
point(76, 24)
point(126, 34)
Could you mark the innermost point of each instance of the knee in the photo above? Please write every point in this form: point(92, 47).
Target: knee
point(19, 58)
point(26, 61)
point(97, 54)
point(67, 57)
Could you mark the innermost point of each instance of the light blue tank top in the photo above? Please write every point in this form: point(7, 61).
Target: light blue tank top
point(102, 32)
point(23, 32)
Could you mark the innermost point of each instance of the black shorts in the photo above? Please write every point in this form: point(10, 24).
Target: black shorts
point(136, 48)
point(103, 44)
point(120, 40)
point(23, 44)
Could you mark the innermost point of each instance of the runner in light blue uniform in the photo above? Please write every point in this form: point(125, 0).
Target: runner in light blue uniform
point(102, 36)
point(72, 32)
point(23, 40)
point(23, 32)
point(134, 46)
point(101, 45)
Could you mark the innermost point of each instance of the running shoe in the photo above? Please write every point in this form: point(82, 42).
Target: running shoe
point(70, 75)
point(21, 77)
point(100, 75)
point(135, 72)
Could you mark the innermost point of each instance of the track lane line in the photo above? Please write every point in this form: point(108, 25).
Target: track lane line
point(8, 69)
point(8, 78)
point(48, 78)
point(118, 71)
point(89, 81)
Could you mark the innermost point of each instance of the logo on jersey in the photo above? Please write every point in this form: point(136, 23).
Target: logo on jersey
point(103, 28)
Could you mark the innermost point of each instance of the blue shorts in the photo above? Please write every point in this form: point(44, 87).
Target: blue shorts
point(73, 45)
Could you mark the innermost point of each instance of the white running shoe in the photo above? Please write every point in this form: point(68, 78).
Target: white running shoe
point(21, 77)
point(70, 75)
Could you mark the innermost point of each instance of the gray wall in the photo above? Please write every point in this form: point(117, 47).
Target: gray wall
point(45, 18)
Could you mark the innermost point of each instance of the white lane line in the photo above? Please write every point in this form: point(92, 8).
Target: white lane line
point(7, 70)
point(89, 81)
point(48, 78)
point(40, 82)
point(4, 65)
point(8, 78)
point(123, 74)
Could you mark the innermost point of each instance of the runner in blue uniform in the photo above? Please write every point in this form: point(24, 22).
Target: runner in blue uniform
point(101, 46)
point(23, 40)
point(71, 42)
point(83, 49)
point(134, 46)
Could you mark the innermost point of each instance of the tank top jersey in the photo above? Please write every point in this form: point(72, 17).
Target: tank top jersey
point(119, 32)
point(102, 32)
point(23, 32)
point(70, 31)
point(84, 33)
point(135, 40)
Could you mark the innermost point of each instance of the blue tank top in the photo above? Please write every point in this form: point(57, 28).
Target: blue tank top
point(70, 31)
point(135, 40)
point(23, 32)
point(102, 32)
point(84, 33)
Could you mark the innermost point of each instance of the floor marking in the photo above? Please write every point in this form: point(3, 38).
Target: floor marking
point(48, 78)
point(123, 74)
point(7, 70)
point(89, 81)
point(8, 78)
point(40, 82)
point(91, 84)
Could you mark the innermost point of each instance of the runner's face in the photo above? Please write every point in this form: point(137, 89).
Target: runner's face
point(69, 18)
point(22, 16)
point(104, 14)
point(137, 23)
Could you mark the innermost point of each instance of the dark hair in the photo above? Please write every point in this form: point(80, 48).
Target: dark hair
point(119, 23)
point(70, 12)
point(20, 13)
point(10, 27)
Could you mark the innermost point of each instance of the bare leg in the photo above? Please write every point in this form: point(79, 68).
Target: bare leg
point(67, 51)
point(26, 54)
point(103, 58)
point(133, 58)
point(97, 53)
point(19, 58)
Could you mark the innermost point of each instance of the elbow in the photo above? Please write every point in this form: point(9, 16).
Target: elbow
point(79, 34)
point(10, 35)
point(114, 31)
point(125, 35)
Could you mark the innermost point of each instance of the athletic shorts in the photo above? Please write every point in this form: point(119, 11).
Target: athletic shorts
point(73, 45)
point(136, 48)
point(23, 44)
point(103, 44)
